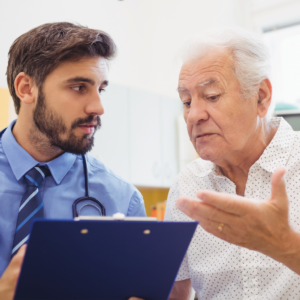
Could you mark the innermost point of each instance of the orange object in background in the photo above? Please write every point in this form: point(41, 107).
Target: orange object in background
point(153, 195)
point(160, 210)
point(4, 108)
point(153, 211)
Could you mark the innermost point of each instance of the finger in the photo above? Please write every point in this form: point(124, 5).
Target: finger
point(218, 229)
point(22, 250)
point(196, 209)
point(18, 258)
point(228, 233)
point(12, 272)
point(278, 191)
point(229, 203)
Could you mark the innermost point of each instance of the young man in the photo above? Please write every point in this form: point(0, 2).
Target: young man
point(56, 74)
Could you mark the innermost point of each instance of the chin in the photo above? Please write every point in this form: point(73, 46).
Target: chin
point(205, 157)
point(209, 154)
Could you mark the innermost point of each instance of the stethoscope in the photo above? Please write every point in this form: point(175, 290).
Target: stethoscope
point(76, 213)
point(101, 208)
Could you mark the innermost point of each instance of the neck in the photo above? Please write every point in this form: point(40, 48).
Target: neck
point(236, 167)
point(34, 142)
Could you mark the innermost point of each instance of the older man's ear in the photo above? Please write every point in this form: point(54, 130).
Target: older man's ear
point(264, 98)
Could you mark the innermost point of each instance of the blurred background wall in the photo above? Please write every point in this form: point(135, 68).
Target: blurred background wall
point(148, 33)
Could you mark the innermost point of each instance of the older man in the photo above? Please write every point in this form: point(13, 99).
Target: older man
point(226, 94)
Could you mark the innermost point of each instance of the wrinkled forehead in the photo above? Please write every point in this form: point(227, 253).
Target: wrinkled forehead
point(215, 66)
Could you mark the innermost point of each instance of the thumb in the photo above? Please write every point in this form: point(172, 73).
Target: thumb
point(278, 191)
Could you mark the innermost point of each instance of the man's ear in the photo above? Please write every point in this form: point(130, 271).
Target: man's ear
point(264, 97)
point(25, 88)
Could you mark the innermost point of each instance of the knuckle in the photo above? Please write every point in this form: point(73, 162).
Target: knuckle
point(213, 213)
point(193, 210)
point(204, 225)
point(229, 204)
point(236, 238)
point(208, 226)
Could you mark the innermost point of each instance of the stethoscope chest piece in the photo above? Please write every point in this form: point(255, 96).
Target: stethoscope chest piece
point(96, 204)
point(99, 207)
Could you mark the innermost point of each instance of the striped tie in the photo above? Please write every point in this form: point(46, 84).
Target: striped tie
point(31, 206)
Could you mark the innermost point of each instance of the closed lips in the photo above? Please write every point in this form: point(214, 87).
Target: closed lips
point(204, 134)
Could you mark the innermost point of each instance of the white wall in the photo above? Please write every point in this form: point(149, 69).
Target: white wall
point(149, 33)
point(266, 13)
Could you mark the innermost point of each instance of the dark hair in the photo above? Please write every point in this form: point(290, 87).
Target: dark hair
point(39, 51)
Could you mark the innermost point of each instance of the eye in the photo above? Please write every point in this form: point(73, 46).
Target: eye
point(186, 103)
point(214, 97)
point(101, 90)
point(78, 88)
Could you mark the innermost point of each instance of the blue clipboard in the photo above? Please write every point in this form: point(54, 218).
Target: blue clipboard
point(111, 260)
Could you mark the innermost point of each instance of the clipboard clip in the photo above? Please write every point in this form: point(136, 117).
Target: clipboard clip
point(115, 217)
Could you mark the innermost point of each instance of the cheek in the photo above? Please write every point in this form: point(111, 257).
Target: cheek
point(237, 127)
point(188, 125)
point(189, 130)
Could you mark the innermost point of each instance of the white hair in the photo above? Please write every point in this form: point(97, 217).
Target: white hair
point(251, 58)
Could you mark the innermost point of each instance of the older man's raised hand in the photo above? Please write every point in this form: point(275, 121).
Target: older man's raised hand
point(257, 225)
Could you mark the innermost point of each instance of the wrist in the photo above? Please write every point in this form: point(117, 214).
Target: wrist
point(289, 254)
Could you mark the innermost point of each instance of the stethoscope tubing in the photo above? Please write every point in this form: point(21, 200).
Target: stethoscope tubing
point(87, 196)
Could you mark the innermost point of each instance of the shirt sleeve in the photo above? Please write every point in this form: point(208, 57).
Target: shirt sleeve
point(173, 214)
point(136, 205)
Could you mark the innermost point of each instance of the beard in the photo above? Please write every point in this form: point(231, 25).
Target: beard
point(53, 126)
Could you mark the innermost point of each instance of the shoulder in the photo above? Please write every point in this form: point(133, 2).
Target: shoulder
point(297, 138)
point(194, 171)
point(295, 147)
point(3, 159)
point(293, 162)
point(114, 181)
point(99, 167)
point(1, 147)
point(187, 183)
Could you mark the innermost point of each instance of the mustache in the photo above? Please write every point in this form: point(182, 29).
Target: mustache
point(89, 119)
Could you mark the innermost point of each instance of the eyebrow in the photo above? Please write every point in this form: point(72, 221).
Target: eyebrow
point(85, 79)
point(206, 82)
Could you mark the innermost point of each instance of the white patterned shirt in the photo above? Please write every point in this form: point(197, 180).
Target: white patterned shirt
point(218, 269)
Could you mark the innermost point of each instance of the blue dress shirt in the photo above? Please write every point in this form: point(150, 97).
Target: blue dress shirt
point(58, 191)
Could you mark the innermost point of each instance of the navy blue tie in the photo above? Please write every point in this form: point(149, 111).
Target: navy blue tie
point(31, 205)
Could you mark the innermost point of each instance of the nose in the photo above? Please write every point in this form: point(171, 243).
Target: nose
point(95, 106)
point(197, 112)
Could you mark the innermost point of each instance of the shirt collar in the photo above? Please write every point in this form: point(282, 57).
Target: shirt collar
point(281, 144)
point(21, 161)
